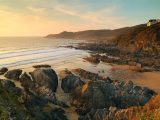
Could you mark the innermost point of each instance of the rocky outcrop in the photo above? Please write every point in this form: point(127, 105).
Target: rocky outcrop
point(37, 101)
point(103, 98)
point(70, 83)
point(140, 38)
point(45, 77)
point(3, 70)
point(10, 87)
point(87, 75)
point(46, 82)
point(27, 82)
point(13, 74)
point(115, 93)
point(39, 108)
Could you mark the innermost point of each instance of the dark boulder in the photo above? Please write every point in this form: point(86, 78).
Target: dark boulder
point(13, 74)
point(46, 81)
point(3, 70)
point(70, 83)
point(39, 108)
point(45, 77)
point(26, 81)
point(10, 87)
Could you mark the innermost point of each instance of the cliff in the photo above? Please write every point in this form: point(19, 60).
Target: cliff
point(140, 38)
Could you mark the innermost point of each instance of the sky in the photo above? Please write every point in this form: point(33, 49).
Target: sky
point(42, 17)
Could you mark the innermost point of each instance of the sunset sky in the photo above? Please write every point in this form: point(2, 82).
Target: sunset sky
point(41, 17)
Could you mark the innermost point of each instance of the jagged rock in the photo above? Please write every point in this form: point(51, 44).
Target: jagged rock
point(26, 81)
point(46, 81)
point(13, 74)
point(70, 83)
point(3, 70)
point(10, 87)
point(39, 108)
point(102, 94)
point(87, 75)
point(45, 77)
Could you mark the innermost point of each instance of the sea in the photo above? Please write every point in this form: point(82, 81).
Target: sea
point(24, 52)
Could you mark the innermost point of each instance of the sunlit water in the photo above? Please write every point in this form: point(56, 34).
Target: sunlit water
point(23, 52)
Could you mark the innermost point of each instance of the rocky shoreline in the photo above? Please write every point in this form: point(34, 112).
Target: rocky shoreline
point(138, 61)
point(93, 97)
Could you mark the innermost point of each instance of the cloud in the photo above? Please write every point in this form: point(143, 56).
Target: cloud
point(103, 17)
point(43, 17)
point(15, 24)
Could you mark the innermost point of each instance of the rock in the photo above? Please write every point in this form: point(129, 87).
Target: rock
point(26, 81)
point(39, 108)
point(13, 74)
point(3, 70)
point(128, 85)
point(45, 77)
point(87, 75)
point(46, 81)
point(94, 94)
point(41, 66)
point(70, 83)
point(103, 94)
point(148, 92)
point(10, 87)
point(93, 59)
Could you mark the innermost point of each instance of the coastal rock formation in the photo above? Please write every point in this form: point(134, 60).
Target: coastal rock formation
point(103, 94)
point(3, 70)
point(46, 81)
point(39, 108)
point(103, 98)
point(46, 77)
point(116, 93)
point(26, 81)
point(10, 87)
point(87, 75)
point(95, 99)
point(70, 83)
point(140, 38)
point(13, 74)
point(37, 101)
point(146, 112)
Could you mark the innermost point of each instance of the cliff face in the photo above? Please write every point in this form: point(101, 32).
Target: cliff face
point(140, 38)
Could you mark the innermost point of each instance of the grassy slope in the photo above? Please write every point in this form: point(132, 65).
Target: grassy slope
point(9, 101)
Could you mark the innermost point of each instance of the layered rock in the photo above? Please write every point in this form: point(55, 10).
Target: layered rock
point(3, 70)
point(70, 83)
point(13, 74)
point(36, 101)
point(46, 81)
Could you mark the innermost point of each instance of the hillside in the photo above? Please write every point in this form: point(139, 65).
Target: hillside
point(131, 39)
point(93, 35)
point(141, 38)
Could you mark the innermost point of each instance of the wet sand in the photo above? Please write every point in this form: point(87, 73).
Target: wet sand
point(147, 79)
